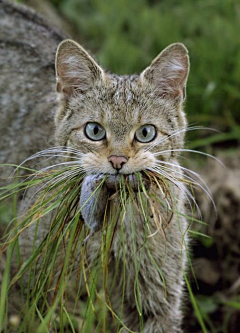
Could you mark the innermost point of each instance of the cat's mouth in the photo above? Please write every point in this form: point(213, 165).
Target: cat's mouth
point(132, 181)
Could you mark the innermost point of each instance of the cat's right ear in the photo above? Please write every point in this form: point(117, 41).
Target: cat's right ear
point(76, 70)
point(168, 72)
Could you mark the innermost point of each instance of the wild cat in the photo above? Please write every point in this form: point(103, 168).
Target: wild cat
point(121, 125)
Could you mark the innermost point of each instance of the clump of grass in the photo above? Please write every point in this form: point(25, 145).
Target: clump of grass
point(62, 258)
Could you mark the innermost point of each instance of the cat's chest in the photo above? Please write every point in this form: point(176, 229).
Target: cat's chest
point(139, 225)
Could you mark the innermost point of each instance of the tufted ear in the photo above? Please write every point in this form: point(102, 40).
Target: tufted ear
point(168, 72)
point(76, 70)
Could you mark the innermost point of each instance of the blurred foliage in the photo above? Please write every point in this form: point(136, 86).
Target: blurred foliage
point(127, 35)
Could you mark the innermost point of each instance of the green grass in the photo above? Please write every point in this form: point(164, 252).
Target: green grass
point(61, 260)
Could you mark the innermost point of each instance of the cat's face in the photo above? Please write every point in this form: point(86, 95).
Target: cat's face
point(121, 124)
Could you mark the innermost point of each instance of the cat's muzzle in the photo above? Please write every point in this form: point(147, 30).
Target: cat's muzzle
point(114, 182)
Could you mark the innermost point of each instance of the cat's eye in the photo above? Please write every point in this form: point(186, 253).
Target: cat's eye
point(95, 131)
point(146, 133)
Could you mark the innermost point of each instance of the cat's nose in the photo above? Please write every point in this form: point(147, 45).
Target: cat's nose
point(117, 161)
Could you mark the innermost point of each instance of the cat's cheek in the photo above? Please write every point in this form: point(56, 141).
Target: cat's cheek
point(96, 164)
point(139, 162)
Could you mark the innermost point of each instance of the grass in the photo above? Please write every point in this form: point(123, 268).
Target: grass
point(61, 259)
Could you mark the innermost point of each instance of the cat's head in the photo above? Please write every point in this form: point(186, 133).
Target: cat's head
point(121, 123)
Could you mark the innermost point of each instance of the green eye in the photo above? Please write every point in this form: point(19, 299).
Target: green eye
point(146, 133)
point(95, 132)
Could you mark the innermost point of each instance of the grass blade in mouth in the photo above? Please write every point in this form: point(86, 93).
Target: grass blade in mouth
point(63, 256)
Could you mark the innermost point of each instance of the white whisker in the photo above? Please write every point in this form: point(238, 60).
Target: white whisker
point(189, 151)
point(57, 165)
point(202, 186)
point(181, 186)
point(68, 176)
point(192, 128)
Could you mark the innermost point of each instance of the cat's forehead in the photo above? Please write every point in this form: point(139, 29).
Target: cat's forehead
point(125, 99)
point(121, 102)
point(123, 95)
point(122, 90)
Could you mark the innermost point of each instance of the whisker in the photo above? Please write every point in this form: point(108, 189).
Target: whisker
point(68, 176)
point(195, 183)
point(56, 181)
point(50, 153)
point(189, 151)
point(181, 186)
point(56, 165)
point(186, 170)
point(192, 128)
point(54, 152)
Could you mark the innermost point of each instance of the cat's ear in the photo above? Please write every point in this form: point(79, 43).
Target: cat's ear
point(168, 72)
point(76, 70)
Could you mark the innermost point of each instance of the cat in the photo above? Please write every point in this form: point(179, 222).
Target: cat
point(121, 125)
point(138, 124)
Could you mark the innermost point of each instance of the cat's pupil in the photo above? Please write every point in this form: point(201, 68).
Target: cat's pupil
point(144, 132)
point(95, 130)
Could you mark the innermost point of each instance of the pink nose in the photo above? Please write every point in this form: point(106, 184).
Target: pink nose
point(117, 161)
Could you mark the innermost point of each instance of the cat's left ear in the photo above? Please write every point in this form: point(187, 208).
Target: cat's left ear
point(76, 70)
point(168, 72)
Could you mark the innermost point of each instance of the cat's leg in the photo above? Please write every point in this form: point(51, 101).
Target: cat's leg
point(160, 288)
point(170, 322)
point(153, 325)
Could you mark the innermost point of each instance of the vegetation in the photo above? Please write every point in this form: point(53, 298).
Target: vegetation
point(126, 35)
point(48, 302)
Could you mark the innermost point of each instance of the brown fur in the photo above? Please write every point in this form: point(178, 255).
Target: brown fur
point(121, 104)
